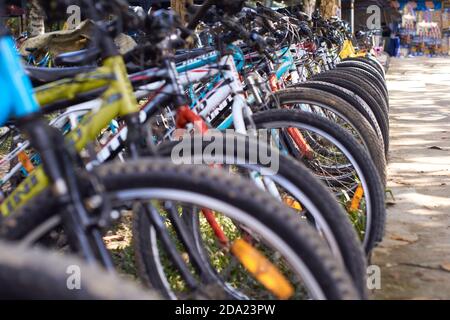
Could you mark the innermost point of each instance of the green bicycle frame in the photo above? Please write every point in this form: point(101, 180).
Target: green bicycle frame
point(118, 100)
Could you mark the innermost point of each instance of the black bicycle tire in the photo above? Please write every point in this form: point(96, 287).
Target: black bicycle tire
point(298, 175)
point(350, 85)
point(159, 173)
point(360, 155)
point(359, 84)
point(361, 70)
point(39, 274)
point(366, 67)
point(380, 124)
point(369, 62)
point(363, 127)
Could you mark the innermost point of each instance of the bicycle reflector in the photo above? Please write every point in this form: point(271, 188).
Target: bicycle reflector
point(357, 197)
point(291, 202)
point(262, 269)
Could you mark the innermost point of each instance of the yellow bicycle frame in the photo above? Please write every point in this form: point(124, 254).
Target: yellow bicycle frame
point(349, 51)
point(118, 100)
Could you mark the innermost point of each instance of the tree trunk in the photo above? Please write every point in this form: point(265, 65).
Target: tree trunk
point(179, 6)
point(329, 8)
point(35, 18)
point(309, 6)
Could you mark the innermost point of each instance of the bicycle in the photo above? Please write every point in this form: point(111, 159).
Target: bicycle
point(133, 167)
point(37, 274)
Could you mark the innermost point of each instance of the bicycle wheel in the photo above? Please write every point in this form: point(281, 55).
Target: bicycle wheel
point(337, 75)
point(381, 82)
point(367, 75)
point(8, 144)
point(37, 274)
point(295, 187)
point(370, 61)
point(345, 168)
point(375, 116)
point(359, 91)
point(311, 271)
point(321, 102)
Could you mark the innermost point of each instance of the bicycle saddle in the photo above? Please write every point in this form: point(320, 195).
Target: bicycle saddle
point(41, 76)
point(78, 58)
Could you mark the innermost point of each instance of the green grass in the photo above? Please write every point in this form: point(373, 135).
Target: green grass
point(119, 242)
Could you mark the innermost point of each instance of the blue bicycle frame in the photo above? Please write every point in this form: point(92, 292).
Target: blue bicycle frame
point(16, 96)
point(204, 60)
point(285, 64)
point(31, 60)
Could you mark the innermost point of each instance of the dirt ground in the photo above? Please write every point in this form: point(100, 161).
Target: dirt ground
point(415, 255)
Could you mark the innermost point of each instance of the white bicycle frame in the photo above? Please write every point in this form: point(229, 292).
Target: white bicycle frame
point(215, 99)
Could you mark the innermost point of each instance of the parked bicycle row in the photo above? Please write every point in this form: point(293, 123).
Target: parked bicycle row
point(246, 152)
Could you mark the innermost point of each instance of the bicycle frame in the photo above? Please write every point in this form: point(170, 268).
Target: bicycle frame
point(44, 62)
point(118, 100)
point(17, 98)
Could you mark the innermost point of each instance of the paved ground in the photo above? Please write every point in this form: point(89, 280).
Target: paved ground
point(415, 255)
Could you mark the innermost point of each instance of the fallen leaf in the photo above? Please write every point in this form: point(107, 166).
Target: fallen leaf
point(395, 275)
point(113, 246)
point(410, 238)
point(113, 238)
point(446, 266)
point(390, 203)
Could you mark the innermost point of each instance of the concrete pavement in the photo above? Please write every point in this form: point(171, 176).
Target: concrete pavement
point(415, 255)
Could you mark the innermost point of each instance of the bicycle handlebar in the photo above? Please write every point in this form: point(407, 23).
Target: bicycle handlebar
point(200, 13)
